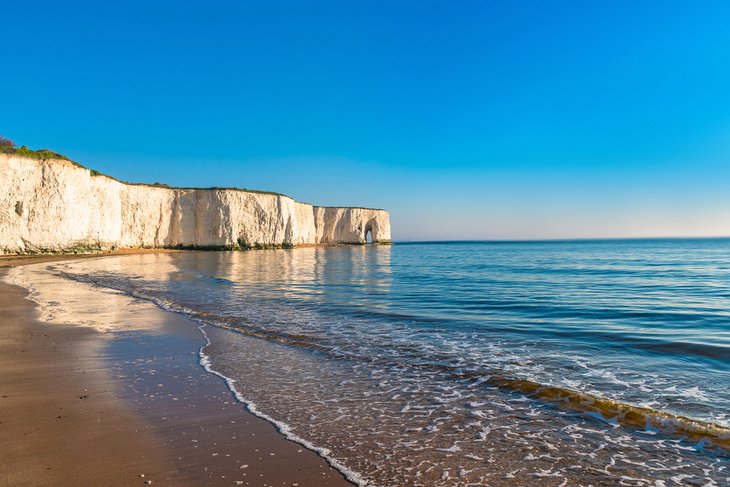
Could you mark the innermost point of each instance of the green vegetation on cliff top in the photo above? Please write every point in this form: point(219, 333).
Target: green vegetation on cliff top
point(7, 146)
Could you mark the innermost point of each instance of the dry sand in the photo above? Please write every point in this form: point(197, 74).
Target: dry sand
point(80, 407)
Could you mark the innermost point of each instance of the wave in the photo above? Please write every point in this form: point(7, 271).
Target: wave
point(606, 410)
point(281, 426)
point(205, 362)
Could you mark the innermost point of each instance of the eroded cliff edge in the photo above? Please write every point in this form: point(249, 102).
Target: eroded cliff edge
point(53, 205)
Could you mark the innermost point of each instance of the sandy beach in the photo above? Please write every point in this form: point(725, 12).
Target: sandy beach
point(82, 407)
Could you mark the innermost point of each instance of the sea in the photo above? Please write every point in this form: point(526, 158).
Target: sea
point(464, 363)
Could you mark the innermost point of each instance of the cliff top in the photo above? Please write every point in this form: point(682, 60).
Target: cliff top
point(7, 147)
point(49, 155)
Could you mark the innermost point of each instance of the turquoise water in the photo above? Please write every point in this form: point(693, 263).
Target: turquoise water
point(578, 363)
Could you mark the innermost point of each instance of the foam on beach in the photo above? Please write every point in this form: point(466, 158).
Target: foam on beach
point(57, 293)
point(282, 427)
point(317, 343)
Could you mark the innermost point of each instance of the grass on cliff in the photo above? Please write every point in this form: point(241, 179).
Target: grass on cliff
point(7, 146)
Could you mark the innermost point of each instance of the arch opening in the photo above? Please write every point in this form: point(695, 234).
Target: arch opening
point(368, 235)
point(370, 232)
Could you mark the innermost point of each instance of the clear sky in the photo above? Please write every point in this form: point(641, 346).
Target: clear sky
point(467, 120)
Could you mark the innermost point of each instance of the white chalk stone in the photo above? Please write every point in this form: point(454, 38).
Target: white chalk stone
point(55, 205)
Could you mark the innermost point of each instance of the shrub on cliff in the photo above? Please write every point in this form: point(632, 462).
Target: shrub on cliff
point(6, 145)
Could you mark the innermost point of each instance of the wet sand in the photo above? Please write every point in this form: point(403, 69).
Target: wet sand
point(81, 407)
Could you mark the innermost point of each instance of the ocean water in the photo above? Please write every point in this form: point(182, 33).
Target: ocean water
point(467, 363)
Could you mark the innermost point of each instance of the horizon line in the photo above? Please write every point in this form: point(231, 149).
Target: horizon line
point(559, 240)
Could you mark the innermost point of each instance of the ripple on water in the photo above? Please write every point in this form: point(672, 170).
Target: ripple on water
point(574, 364)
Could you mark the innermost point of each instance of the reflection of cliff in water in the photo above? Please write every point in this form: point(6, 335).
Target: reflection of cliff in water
point(302, 273)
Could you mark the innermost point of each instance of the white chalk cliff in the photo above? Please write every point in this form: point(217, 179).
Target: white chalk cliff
point(53, 205)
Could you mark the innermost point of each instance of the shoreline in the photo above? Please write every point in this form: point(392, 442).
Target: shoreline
point(135, 402)
point(12, 260)
point(57, 407)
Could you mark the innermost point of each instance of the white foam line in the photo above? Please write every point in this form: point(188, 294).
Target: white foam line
point(250, 406)
point(282, 427)
point(205, 362)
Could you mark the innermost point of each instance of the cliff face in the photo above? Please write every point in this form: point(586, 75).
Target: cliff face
point(56, 206)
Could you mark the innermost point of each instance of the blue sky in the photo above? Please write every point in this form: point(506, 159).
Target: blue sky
point(467, 120)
